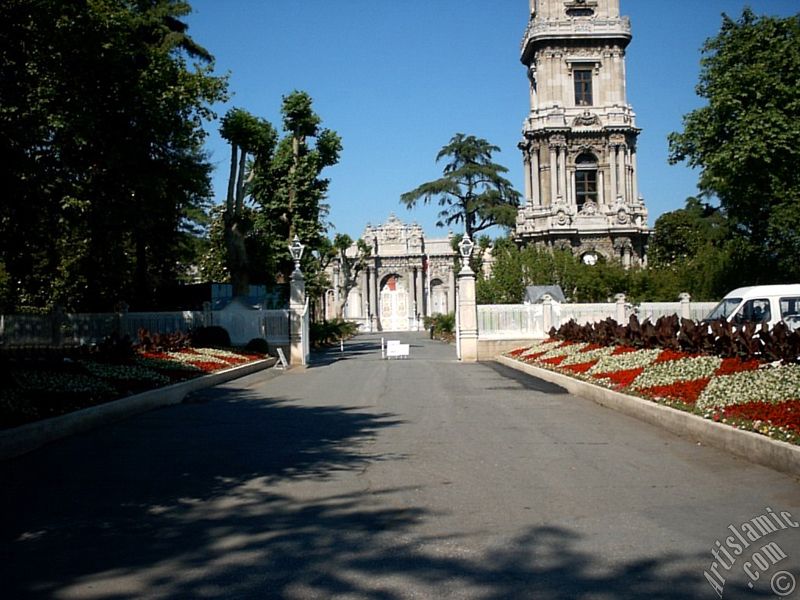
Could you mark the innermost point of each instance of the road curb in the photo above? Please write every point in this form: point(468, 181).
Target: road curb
point(23, 439)
point(754, 447)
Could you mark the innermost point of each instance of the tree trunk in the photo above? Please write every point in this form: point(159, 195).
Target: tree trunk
point(234, 236)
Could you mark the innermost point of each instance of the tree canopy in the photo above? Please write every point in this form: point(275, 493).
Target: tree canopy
point(472, 189)
point(101, 112)
point(744, 141)
point(290, 191)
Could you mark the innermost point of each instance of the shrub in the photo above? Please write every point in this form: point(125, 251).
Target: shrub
point(442, 326)
point(330, 332)
point(210, 337)
point(747, 342)
point(115, 349)
point(163, 342)
point(258, 346)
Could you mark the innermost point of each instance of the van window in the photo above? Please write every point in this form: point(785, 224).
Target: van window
point(754, 311)
point(724, 309)
point(790, 306)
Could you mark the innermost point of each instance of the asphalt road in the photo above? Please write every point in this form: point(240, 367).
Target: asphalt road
point(367, 478)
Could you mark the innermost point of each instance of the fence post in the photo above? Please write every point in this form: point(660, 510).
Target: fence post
point(686, 310)
point(297, 302)
point(208, 316)
point(56, 322)
point(547, 313)
point(467, 314)
point(122, 316)
point(620, 309)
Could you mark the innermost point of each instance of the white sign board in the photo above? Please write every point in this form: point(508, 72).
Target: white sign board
point(394, 349)
point(281, 364)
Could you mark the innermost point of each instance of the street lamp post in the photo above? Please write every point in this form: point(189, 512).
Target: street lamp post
point(467, 328)
point(296, 249)
point(297, 305)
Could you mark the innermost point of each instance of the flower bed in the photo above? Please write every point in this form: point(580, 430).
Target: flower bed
point(760, 397)
point(40, 389)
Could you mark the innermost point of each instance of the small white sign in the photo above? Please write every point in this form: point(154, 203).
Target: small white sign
point(281, 364)
point(394, 349)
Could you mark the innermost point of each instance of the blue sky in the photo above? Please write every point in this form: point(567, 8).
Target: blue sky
point(398, 78)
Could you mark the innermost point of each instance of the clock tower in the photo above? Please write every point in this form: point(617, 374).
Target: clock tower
point(579, 139)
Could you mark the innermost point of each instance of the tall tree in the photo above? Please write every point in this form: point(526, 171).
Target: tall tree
point(290, 193)
point(472, 188)
point(350, 259)
point(251, 139)
point(744, 141)
point(101, 133)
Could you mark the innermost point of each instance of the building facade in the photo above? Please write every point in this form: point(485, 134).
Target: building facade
point(407, 278)
point(579, 139)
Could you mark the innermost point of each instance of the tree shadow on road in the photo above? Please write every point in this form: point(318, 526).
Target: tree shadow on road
point(187, 507)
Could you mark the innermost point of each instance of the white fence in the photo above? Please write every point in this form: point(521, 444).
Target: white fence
point(500, 321)
point(654, 310)
point(63, 329)
point(533, 321)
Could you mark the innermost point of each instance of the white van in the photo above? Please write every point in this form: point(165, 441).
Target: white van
point(769, 304)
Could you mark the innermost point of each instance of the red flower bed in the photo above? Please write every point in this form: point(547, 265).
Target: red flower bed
point(622, 350)
point(207, 366)
point(533, 357)
point(156, 355)
point(730, 366)
point(591, 347)
point(580, 368)
point(517, 352)
point(668, 355)
point(784, 414)
point(553, 361)
point(621, 378)
point(685, 391)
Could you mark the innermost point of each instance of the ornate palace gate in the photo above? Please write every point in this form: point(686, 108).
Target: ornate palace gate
point(394, 305)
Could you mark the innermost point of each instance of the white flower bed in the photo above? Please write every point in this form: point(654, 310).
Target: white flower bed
point(188, 357)
point(217, 353)
point(585, 357)
point(623, 362)
point(569, 350)
point(539, 347)
point(764, 385)
point(684, 369)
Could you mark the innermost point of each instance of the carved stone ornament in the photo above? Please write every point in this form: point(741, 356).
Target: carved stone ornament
point(589, 208)
point(622, 216)
point(621, 243)
point(586, 119)
point(562, 218)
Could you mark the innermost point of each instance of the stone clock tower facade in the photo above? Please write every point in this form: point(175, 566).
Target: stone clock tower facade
point(579, 140)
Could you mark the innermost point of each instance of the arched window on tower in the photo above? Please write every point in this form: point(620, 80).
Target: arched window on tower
point(585, 179)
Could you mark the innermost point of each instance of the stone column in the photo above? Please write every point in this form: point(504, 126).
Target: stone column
point(553, 174)
point(601, 188)
point(364, 288)
point(451, 290)
point(297, 302)
point(621, 315)
point(628, 175)
point(536, 195)
point(686, 309)
point(547, 314)
point(467, 315)
point(528, 180)
point(420, 292)
point(612, 160)
point(634, 171)
point(562, 173)
point(376, 309)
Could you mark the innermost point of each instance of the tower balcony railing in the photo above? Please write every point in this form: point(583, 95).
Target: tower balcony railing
point(575, 27)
